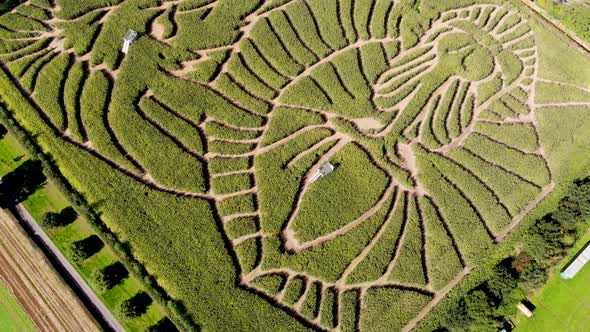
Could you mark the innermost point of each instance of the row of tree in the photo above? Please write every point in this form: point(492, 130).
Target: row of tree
point(47, 167)
point(487, 306)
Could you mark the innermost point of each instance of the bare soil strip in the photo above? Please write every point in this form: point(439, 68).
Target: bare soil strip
point(45, 297)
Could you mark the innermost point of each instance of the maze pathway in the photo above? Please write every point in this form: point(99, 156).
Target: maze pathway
point(431, 123)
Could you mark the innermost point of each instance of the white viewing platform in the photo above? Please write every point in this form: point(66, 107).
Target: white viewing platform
point(577, 264)
point(128, 39)
point(324, 170)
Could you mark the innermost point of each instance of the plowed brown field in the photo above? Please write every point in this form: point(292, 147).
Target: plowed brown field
point(43, 294)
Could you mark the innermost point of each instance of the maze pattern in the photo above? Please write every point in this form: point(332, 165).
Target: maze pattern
point(431, 124)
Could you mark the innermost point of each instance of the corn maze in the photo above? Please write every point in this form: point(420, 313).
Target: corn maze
point(428, 112)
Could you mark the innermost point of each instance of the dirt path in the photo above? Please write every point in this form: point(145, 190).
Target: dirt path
point(437, 298)
point(46, 298)
point(415, 69)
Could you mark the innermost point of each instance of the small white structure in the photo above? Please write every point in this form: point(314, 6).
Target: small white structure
point(324, 170)
point(525, 310)
point(577, 264)
point(128, 39)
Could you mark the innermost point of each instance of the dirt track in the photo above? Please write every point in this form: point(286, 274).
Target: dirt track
point(45, 297)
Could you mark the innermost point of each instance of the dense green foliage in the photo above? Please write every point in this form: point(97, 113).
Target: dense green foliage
point(574, 15)
point(490, 304)
point(110, 276)
point(135, 306)
point(202, 151)
point(85, 248)
point(63, 218)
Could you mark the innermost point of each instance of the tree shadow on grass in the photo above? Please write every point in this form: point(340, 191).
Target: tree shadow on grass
point(22, 182)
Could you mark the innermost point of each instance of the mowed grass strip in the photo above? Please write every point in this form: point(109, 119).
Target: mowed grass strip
point(562, 305)
point(12, 315)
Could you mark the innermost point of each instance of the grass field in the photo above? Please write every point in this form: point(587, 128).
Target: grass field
point(562, 305)
point(12, 315)
point(448, 122)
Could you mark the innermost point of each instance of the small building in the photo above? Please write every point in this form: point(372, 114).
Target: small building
point(324, 170)
point(525, 310)
point(573, 267)
point(128, 39)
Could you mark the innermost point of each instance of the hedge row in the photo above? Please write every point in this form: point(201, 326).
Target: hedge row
point(294, 45)
point(375, 264)
point(240, 95)
point(530, 166)
point(514, 191)
point(442, 259)
point(81, 33)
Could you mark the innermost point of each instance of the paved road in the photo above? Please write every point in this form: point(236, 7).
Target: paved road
point(63, 266)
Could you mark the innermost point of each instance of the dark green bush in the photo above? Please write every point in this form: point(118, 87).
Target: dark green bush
point(83, 249)
point(110, 276)
point(163, 325)
point(63, 218)
point(136, 305)
point(50, 219)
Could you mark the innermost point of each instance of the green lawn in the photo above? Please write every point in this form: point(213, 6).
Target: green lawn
point(562, 305)
point(12, 315)
point(48, 198)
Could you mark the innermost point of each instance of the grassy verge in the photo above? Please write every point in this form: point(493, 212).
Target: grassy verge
point(12, 315)
point(561, 305)
point(50, 199)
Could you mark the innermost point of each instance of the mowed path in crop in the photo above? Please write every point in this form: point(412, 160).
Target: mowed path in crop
point(45, 297)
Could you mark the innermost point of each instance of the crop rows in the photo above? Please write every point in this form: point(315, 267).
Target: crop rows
point(429, 119)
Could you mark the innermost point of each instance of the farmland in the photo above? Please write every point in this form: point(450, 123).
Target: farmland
point(13, 316)
point(48, 200)
point(44, 296)
point(197, 149)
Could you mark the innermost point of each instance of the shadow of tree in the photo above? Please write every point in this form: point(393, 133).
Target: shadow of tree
point(22, 182)
point(83, 249)
point(136, 305)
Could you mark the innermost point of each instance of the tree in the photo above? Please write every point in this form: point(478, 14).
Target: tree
point(65, 217)
point(481, 310)
point(50, 219)
point(23, 181)
point(110, 276)
point(544, 240)
point(136, 305)
point(575, 207)
point(532, 278)
point(501, 283)
point(68, 215)
point(80, 250)
point(163, 325)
